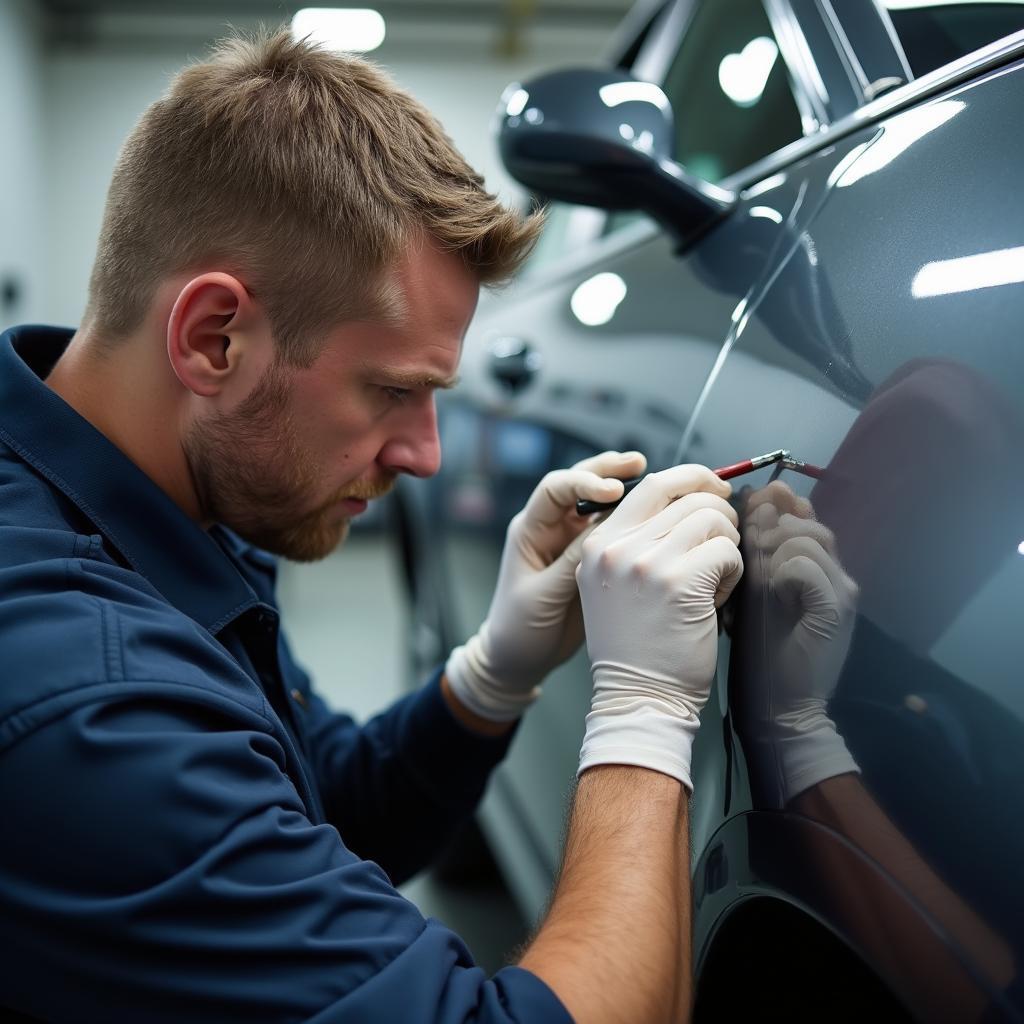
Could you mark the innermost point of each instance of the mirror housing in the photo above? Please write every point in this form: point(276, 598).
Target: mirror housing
point(603, 138)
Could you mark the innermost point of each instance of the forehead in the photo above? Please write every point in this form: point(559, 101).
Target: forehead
point(437, 296)
point(434, 288)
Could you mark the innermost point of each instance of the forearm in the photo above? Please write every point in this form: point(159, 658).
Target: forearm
point(396, 787)
point(615, 946)
point(848, 808)
point(473, 722)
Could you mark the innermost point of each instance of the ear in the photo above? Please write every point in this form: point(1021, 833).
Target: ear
point(216, 334)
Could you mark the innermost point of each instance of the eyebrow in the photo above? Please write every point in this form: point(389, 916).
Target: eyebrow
point(415, 379)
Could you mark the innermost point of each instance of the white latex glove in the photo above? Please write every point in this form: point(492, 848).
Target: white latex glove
point(651, 579)
point(534, 622)
point(798, 621)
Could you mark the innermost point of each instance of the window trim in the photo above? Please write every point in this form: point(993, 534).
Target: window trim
point(642, 19)
point(877, 59)
point(890, 30)
point(990, 57)
point(810, 92)
point(655, 60)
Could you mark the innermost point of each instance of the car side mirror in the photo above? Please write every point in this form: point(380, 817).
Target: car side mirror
point(602, 138)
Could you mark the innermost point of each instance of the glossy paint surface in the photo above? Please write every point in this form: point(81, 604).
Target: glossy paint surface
point(863, 308)
point(887, 349)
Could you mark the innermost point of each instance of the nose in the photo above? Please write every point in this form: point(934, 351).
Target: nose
point(414, 447)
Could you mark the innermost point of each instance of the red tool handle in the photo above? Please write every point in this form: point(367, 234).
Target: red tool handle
point(736, 469)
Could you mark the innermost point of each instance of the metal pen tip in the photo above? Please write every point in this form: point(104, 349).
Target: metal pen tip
point(778, 455)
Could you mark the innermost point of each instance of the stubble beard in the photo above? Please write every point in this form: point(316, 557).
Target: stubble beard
point(250, 474)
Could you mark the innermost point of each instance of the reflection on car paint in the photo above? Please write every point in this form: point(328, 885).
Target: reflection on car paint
point(810, 730)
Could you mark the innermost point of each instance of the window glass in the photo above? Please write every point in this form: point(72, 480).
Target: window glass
point(566, 228)
point(935, 34)
point(553, 241)
point(730, 94)
point(729, 90)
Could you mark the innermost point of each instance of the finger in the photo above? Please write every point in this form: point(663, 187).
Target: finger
point(568, 561)
point(790, 526)
point(623, 465)
point(701, 524)
point(783, 498)
point(761, 518)
point(809, 549)
point(667, 521)
point(558, 492)
point(717, 566)
point(658, 490)
point(803, 585)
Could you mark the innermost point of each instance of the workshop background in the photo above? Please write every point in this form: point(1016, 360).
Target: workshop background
point(74, 77)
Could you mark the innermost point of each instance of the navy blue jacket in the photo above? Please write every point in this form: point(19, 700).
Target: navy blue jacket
point(189, 834)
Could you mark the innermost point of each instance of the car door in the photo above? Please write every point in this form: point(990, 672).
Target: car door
point(884, 348)
point(605, 343)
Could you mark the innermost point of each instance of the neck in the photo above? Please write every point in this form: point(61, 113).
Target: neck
point(125, 392)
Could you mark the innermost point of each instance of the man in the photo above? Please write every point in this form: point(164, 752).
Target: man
point(290, 256)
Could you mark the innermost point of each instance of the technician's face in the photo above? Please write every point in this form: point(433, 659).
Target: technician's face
point(292, 464)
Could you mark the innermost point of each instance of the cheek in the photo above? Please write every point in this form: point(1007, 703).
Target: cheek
point(342, 440)
point(351, 454)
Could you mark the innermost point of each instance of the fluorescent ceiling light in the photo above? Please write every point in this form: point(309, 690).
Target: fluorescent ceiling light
point(516, 102)
point(905, 5)
point(969, 273)
point(351, 29)
point(594, 302)
point(744, 75)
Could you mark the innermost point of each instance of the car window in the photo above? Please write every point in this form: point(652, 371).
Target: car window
point(935, 34)
point(730, 94)
point(729, 90)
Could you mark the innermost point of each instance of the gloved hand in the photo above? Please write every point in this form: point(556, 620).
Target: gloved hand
point(534, 622)
point(798, 618)
point(651, 578)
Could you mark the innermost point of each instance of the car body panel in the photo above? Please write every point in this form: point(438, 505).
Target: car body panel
point(922, 491)
point(861, 305)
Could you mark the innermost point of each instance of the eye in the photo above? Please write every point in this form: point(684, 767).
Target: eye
point(397, 395)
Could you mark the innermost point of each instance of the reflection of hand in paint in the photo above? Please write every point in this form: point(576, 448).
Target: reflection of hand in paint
point(794, 632)
point(796, 625)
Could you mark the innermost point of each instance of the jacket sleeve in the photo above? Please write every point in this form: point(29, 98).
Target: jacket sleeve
point(157, 865)
point(397, 786)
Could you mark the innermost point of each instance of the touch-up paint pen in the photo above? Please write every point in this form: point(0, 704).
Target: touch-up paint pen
point(585, 508)
point(801, 467)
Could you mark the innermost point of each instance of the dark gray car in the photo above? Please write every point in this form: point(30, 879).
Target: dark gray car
point(829, 259)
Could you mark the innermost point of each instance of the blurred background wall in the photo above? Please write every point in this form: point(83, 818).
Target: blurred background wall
point(76, 74)
point(22, 132)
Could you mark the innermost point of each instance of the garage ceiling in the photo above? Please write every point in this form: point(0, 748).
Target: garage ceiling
point(104, 19)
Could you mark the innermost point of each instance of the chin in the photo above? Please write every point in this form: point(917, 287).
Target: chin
point(314, 545)
point(310, 543)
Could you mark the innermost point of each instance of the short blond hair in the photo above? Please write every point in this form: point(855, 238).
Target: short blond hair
point(303, 171)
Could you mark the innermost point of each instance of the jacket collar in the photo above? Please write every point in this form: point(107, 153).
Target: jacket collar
point(180, 559)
